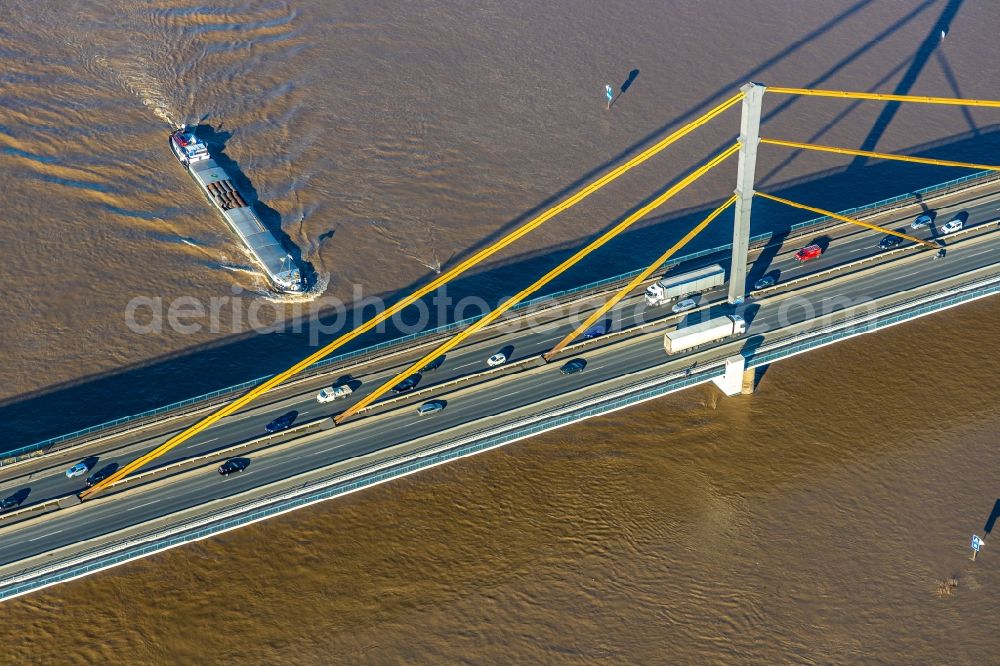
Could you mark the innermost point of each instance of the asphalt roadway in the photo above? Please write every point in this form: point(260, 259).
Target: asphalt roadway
point(490, 398)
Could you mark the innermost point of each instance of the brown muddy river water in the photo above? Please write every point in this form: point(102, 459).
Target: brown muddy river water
point(811, 523)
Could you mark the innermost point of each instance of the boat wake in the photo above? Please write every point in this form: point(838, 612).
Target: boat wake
point(138, 83)
point(315, 291)
point(433, 263)
point(245, 270)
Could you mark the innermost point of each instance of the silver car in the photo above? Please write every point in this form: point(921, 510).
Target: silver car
point(684, 306)
point(430, 407)
point(78, 469)
point(921, 221)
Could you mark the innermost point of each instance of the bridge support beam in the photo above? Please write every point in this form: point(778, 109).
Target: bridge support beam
point(749, 139)
point(734, 381)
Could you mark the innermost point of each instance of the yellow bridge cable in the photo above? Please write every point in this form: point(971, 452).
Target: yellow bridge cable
point(637, 280)
point(929, 244)
point(881, 156)
point(881, 97)
point(538, 284)
point(445, 277)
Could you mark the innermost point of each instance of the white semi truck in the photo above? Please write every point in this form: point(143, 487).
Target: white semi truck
point(713, 330)
point(673, 287)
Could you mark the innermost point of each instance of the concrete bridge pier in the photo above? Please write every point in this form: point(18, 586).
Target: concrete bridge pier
point(738, 379)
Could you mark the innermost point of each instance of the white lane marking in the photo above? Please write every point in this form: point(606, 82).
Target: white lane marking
point(142, 505)
point(45, 535)
point(329, 450)
point(200, 443)
point(904, 275)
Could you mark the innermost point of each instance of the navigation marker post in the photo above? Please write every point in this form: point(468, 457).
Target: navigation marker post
point(977, 543)
point(610, 93)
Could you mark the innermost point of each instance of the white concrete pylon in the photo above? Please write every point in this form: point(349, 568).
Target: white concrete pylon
point(753, 95)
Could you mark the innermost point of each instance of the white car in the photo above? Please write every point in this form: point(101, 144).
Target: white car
point(78, 469)
point(331, 393)
point(496, 359)
point(952, 227)
point(684, 306)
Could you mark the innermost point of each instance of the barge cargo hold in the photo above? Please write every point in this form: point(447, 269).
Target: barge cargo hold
point(279, 266)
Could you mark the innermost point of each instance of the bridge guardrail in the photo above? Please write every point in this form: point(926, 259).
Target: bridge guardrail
point(756, 242)
point(47, 506)
point(50, 574)
point(908, 311)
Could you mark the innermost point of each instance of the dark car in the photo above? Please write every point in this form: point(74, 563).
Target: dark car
point(283, 422)
point(595, 331)
point(232, 466)
point(433, 365)
point(407, 384)
point(104, 473)
point(765, 282)
point(15, 500)
point(574, 366)
point(889, 242)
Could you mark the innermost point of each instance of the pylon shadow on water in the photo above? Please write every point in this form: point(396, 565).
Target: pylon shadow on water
point(923, 54)
point(724, 91)
point(993, 517)
point(624, 87)
point(628, 82)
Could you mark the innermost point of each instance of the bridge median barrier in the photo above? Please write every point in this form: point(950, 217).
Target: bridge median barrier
point(171, 471)
point(20, 515)
point(301, 490)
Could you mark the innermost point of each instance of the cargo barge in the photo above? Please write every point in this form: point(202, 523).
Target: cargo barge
point(279, 266)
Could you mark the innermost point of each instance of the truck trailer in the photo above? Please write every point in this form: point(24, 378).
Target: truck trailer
point(672, 287)
point(713, 330)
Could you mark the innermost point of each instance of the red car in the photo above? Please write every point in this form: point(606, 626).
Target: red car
point(808, 252)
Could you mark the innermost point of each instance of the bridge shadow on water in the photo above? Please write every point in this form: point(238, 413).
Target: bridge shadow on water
point(61, 408)
point(90, 400)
